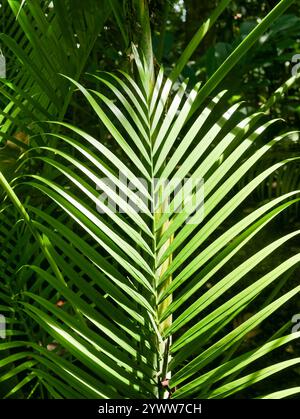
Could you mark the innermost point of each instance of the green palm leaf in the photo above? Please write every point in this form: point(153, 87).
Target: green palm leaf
point(133, 281)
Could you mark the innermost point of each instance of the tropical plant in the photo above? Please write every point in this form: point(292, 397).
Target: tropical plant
point(134, 303)
point(41, 40)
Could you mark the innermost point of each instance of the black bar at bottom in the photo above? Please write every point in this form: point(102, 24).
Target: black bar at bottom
point(131, 408)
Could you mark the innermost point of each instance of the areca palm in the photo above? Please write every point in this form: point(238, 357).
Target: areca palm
point(128, 297)
point(137, 315)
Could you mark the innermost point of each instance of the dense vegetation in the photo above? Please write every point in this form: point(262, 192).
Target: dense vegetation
point(149, 298)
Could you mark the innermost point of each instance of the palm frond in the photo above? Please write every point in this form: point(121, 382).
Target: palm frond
point(133, 279)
